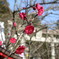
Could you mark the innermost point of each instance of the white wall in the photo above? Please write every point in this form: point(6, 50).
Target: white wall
point(2, 35)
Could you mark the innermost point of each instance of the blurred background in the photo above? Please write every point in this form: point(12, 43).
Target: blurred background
point(45, 44)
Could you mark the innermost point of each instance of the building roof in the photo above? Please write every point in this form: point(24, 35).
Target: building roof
point(54, 32)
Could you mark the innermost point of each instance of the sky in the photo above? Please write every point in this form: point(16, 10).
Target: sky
point(11, 4)
point(48, 19)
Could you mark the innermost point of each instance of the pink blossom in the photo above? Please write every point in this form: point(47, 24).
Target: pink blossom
point(0, 43)
point(40, 11)
point(29, 29)
point(22, 15)
point(12, 40)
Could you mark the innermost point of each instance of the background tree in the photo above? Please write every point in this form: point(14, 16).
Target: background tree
point(57, 24)
point(3, 6)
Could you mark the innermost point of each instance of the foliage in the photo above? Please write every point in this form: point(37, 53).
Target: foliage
point(57, 24)
point(3, 7)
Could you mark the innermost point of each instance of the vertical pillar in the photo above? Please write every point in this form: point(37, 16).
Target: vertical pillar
point(52, 51)
point(2, 36)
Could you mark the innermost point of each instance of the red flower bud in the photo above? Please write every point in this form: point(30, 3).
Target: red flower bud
point(24, 8)
point(34, 8)
point(14, 24)
point(8, 33)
